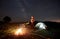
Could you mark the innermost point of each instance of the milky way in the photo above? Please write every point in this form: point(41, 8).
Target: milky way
point(20, 10)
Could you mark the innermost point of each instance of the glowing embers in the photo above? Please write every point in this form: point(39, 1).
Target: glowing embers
point(21, 31)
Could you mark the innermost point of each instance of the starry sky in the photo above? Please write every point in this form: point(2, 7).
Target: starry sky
point(21, 10)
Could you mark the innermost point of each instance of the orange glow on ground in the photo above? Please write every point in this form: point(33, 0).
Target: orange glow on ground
point(21, 31)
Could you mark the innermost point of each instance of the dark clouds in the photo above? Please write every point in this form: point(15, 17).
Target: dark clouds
point(23, 9)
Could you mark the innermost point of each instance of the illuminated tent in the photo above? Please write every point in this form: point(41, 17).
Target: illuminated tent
point(40, 26)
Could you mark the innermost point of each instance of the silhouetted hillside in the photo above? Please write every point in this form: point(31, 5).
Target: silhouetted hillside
point(54, 25)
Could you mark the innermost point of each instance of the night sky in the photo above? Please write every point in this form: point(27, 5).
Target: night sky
point(21, 10)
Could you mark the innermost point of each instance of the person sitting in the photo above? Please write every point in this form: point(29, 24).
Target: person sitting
point(32, 22)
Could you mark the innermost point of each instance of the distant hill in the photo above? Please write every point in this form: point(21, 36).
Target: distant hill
point(51, 24)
